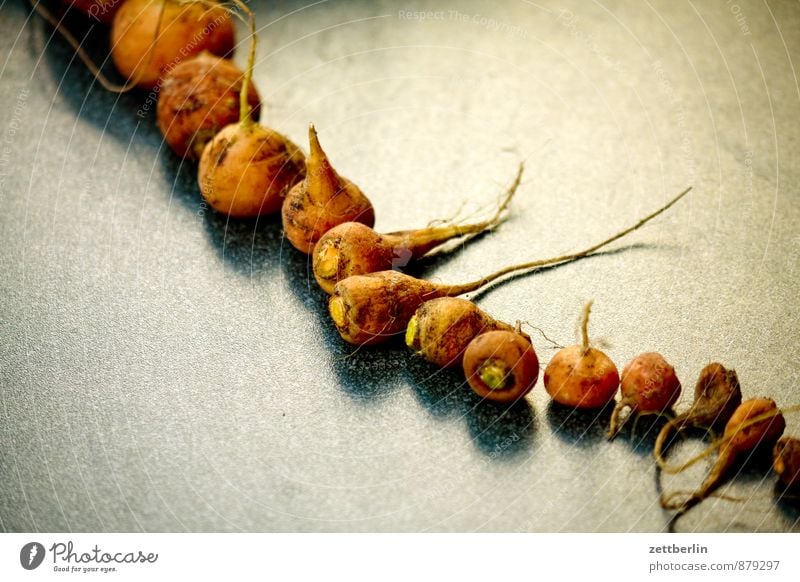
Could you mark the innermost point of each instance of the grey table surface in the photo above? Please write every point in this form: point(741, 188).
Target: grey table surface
point(165, 369)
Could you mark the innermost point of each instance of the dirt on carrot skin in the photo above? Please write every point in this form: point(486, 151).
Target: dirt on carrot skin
point(648, 385)
point(321, 201)
point(501, 366)
point(197, 99)
point(246, 170)
point(374, 308)
point(441, 329)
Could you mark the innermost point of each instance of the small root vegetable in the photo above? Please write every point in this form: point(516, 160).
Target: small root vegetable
point(199, 97)
point(150, 36)
point(100, 10)
point(501, 366)
point(324, 199)
point(717, 395)
point(246, 170)
point(352, 248)
point(755, 424)
point(648, 386)
point(786, 461)
point(441, 329)
point(371, 309)
point(580, 376)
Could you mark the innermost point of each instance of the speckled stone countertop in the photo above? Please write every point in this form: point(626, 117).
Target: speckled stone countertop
point(165, 369)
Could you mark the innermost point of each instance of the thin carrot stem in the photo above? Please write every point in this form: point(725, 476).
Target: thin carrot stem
point(617, 423)
point(245, 117)
point(555, 345)
point(482, 282)
point(587, 309)
point(719, 442)
point(674, 469)
point(423, 240)
point(668, 503)
point(495, 218)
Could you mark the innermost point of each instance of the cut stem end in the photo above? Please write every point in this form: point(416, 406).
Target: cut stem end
point(328, 264)
point(495, 374)
point(411, 333)
point(337, 310)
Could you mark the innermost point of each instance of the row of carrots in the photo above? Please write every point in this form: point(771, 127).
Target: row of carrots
point(208, 110)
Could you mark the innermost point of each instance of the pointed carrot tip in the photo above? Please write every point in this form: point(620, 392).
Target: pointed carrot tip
point(313, 141)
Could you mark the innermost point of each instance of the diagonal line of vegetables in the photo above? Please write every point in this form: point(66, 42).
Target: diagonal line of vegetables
point(208, 109)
